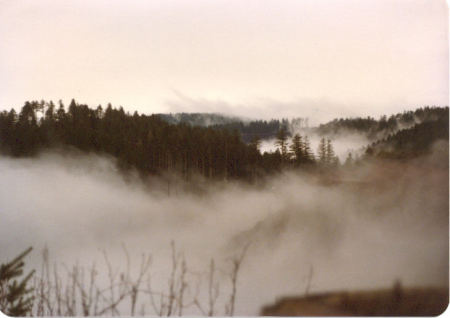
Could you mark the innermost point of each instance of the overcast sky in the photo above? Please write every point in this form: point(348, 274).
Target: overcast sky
point(312, 58)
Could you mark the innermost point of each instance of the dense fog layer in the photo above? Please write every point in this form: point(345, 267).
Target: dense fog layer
point(378, 224)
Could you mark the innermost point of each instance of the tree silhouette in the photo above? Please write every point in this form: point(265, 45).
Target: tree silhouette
point(282, 142)
point(297, 149)
point(322, 151)
point(15, 299)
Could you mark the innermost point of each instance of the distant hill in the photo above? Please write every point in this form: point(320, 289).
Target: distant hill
point(378, 129)
point(411, 142)
point(369, 127)
point(248, 129)
point(256, 129)
point(199, 119)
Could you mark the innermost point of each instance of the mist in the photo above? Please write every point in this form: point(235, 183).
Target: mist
point(343, 144)
point(385, 222)
point(317, 110)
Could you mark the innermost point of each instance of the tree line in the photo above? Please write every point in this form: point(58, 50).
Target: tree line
point(153, 146)
point(148, 143)
point(372, 128)
point(411, 142)
point(248, 129)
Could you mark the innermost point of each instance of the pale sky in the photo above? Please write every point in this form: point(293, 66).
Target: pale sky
point(259, 59)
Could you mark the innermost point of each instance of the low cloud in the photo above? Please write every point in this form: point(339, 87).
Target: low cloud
point(380, 224)
point(317, 110)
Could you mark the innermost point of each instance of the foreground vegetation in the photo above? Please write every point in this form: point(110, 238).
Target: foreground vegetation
point(90, 291)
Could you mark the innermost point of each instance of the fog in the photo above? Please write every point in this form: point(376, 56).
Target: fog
point(344, 141)
point(380, 224)
point(343, 144)
point(318, 110)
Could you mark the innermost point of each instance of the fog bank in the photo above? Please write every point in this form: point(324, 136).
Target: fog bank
point(379, 224)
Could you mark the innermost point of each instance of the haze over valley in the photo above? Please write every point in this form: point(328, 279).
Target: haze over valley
point(307, 221)
point(222, 158)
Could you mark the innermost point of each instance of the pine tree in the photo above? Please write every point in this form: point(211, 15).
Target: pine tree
point(255, 143)
point(8, 122)
point(297, 148)
point(349, 161)
point(309, 156)
point(322, 151)
point(50, 112)
point(331, 158)
point(282, 142)
point(61, 112)
point(254, 155)
point(99, 112)
point(15, 299)
point(27, 130)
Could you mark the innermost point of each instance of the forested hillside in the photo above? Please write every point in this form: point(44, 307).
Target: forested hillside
point(374, 129)
point(198, 119)
point(248, 129)
point(152, 145)
point(411, 142)
point(256, 129)
point(147, 143)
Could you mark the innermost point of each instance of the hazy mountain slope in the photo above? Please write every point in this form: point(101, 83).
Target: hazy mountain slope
point(199, 119)
point(376, 129)
point(411, 142)
point(248, 129)
point(367, 127)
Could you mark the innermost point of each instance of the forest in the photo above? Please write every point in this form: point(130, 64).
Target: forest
point(187, 146)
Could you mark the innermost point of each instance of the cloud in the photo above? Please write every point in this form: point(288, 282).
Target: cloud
point(317, 110)
point(387, 222)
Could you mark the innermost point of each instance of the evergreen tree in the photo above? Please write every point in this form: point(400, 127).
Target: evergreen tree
point(50, 112)
point(331, 158)
point(8, 121)
point(297, 149)
point(282, 142)
point(61, 112)
point(15, 299)
point(255, 143)
point(309, 155)
point(27, 131)
point(322, 151)
point(349, 161)
point(254, 155)
point(99, 112)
